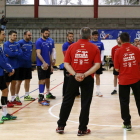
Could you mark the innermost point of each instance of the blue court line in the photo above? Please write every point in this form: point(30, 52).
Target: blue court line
point(34, 90)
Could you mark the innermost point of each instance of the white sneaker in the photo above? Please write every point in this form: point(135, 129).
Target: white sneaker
point(100, 94)
point(97, 93)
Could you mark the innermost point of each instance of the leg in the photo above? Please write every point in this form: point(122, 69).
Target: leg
point(66, 79)
point(13, 89)
point(97, 79)
point(136, 90)
point(124, 96)
point(86, 97)
point(18, 84)
point(47, 83)
point(68, 101)
point(115, 81)
point(27, 85)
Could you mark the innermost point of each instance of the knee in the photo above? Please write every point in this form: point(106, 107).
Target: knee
point(42, 82)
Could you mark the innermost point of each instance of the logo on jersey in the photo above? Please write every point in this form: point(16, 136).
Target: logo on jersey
point(138, 34)
point(81, 54)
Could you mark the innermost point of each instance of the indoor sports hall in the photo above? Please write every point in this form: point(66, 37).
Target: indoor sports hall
point(37, 121)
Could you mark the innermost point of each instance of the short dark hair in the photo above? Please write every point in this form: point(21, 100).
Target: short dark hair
point(1, 30)
point(11, 32)
point(25, 33)
point(85, 33)
point(44, 29)
point(95, 33)
point(69, 33)
point(125, 37)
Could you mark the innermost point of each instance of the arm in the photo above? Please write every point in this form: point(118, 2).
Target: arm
point(102, 55)
point(9, 52)
point(20, 53)
point(45, 65)
point(69, 68)
point(112, 54)
point(54, 56)
point(116, 61)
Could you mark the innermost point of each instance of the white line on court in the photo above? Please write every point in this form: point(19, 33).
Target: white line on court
point(124, 134)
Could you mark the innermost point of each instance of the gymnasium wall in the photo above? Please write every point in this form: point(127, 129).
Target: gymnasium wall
point(2, 8)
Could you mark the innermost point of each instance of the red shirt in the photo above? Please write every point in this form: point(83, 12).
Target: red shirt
point(127, 60)
point(114, 49)
point(82, 55)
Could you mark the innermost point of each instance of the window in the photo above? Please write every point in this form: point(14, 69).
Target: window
point(66, 2)
point(119, 2)
point(19, 2)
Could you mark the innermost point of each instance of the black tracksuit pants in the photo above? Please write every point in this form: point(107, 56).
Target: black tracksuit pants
point(86, 96)
point(124, 96)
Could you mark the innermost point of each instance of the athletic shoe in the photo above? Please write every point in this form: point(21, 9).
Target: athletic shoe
point(0, 107)
point(78, 96)
point(60, 130)
point(127, 127)
point(100, 94)
point(28, 98)
point(9, 104)
point(47, 101)
point(50, 96)
point(114, 92)
point(16, 102)
point(132, 93)
point(1, 122)
point(18, 99)
point(82, 133)
point(44, 102)
point(8, 117)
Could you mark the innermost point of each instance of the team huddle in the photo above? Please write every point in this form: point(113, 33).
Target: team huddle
point(82, 60)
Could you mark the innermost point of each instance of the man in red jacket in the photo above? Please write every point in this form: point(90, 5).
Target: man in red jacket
point(127, 62)
point(82, 59)
point(115, 73)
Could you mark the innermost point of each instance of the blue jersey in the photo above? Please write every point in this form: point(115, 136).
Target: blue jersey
point(3, 64)
point(99, 44)
point(14, 53)
point(45, 48)
point(66, 45)
point(51, 43)
point(27, 48)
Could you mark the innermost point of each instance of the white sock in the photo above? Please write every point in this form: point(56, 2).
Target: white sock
point(97, 88)
point(48, 91)
point(41, 93)
point(26, 93)
point(115, 88)
point(12, 98)
point(16, 95)
point(4, 110)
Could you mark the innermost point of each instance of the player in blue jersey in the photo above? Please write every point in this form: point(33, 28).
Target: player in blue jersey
point(13, 54)
point(66, 73)
point(53, 53)
point(25, 66)
point(3, 86)
point(44, 61)
point(100, 45)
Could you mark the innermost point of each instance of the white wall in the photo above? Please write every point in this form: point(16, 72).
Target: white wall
point(2, 8)
point(119, 12)
point(20, 11)
point(66, 12)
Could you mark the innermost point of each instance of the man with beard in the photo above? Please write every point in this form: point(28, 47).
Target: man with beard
point(44, 61)
point(25, 66)
point(53, 53)
point(66, 73)
point(13, 54)
point(115, 73)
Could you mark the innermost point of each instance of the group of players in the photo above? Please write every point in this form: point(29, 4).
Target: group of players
point(16, 66)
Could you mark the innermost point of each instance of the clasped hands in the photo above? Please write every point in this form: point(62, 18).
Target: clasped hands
point(79, 77)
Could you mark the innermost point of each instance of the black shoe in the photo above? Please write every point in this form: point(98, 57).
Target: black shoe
point(60, 130)
point(114, 92)
point(50, 96)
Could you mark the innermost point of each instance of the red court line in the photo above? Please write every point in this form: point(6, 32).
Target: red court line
point(34, 100)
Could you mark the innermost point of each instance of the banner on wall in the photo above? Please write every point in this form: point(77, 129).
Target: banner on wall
point(2, 8)
point(113, 34)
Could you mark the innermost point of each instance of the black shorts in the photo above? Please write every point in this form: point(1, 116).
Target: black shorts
point(2, 83)
point(25, 73)
point(15, 76)
point(43, 74)
point(99, 71)
point(115, 72)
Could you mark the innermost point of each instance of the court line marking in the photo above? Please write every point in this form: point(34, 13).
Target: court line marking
point(50, 112)
point(34, 90)
point(124, 134)
point(34, 100)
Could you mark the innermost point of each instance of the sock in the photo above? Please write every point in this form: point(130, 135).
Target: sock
point(97, 88)
point(115, 88)
point(12, 98)
point(26, 93)
point(48, 91)
point(4, 105)
point(4, 110)
point(16, 95)
point(41, 88)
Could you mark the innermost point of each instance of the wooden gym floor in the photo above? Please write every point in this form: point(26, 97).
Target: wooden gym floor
point(36, 122)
